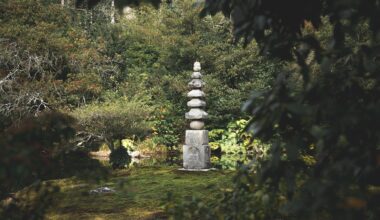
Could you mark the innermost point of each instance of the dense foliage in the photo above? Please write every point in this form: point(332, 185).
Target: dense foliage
point(123, 80)
point(112, 121)
point(160, 48)
point(321, 115)
point(313, 118)
point(43, 52)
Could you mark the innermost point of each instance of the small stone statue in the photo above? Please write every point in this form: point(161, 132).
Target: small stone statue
point(196, 152)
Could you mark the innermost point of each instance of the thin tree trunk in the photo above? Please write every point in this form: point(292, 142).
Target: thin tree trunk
point(119, 142)
point(113, 12)
point(63, 2)
point(111, 145)
point(91, 16)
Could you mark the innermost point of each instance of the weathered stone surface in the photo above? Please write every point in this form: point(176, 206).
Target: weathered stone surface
point(196, 75)
point(196, 93)
point(196, 84)
point(197, 125)
point(196, 157)
point(196, 151)
point(101, 190)
point(196, 137)
point(197, 66)
point(196, 103)
point(196, 113)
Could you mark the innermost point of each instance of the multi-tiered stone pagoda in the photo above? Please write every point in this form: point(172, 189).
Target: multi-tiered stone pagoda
point(196, 151)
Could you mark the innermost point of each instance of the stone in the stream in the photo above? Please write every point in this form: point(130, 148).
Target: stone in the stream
point(102, 190)
point(135, 154)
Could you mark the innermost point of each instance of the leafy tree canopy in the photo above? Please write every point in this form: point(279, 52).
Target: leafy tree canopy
point(321, 115)
point(118, 3)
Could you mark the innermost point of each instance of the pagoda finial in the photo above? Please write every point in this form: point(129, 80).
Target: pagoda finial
point(197, 66)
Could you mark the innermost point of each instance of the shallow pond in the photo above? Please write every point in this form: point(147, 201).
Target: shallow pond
point(218, 161)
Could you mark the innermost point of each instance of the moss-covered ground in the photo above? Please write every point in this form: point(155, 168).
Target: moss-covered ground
point(141, 193)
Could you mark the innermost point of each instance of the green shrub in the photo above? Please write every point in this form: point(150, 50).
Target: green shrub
point(236, 140)
point(119, 158)
point(29, 150)
point(114, 120)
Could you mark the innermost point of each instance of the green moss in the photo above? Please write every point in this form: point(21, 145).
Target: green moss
point(141, 193)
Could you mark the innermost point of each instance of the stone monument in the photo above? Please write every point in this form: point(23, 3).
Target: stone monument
point(196, 151)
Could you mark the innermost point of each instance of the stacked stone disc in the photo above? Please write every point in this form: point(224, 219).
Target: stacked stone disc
point(196, 152)
point(197, 115)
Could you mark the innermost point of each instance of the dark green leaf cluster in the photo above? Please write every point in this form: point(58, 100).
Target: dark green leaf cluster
point(321, 116)
point(119, 158)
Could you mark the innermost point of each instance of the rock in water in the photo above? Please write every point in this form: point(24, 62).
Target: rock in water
point(102, 190)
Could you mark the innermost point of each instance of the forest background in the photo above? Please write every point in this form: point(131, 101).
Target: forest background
point(68, 69)
point(72, 80)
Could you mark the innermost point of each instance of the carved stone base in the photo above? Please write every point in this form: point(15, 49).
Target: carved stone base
point(196, 152)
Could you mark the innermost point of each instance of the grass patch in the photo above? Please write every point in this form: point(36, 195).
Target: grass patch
point(141, 193)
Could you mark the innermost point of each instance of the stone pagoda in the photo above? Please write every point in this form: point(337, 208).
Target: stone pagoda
point(196, 151)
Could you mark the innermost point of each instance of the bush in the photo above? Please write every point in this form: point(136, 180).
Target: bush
point(236, 140)
point(119, 158)
point(29, 149)
point(115, 120)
